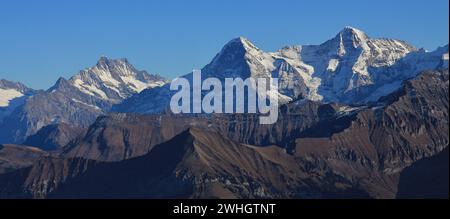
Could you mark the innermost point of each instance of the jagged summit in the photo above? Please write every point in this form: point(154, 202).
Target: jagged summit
point(60, 83)
point(235, 59)
point(77, 100)
point(350, 38)
point(240, 44)
point(353, 31)
point(114, 79)
point(243, 41)
point(248, 45)
point(105, 62)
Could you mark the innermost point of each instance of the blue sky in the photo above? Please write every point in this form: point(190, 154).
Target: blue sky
point(42, 40)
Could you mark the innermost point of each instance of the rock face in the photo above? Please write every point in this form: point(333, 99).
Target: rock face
point(194, 164)
point(79, 100)
point(14, 157)
point(350, 68)
point(120, 136)
point(326, 151)
point(411, 125)
point(53, 137)
point(117, 137)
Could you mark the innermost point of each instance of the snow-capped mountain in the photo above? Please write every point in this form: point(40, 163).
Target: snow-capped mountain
point(12, 94)
point(349, 68)
point(340, 66)
point(114, 80)
point(79, 100)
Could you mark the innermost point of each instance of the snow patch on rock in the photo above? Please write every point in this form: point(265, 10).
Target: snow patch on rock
point(7, 95)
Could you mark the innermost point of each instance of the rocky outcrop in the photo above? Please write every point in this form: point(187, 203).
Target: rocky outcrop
point(14, 157)
point(120, 136)
point(195, 164)
point(383, 140)
point(54, 137)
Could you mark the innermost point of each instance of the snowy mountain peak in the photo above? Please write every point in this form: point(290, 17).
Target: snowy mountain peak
point(239, 46)
point(105, 62)
point(241, 42)
point(353, 34)
point(12, 94)
point(234, 59)
point(350, 38)
point(340, 69)
point(354, 31)
point(349, 68)
point(248, 45)
point(114, 80)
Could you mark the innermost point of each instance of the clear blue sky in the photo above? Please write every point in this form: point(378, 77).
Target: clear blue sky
point(42, 40)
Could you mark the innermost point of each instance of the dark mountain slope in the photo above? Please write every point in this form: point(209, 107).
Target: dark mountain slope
point(117, 137)
point(194, 164)
point(53, 137)
point(426, 178)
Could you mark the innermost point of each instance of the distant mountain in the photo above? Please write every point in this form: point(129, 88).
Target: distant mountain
point(404, 127)
point(202, 164)
point(119, 136)
point(12, 94)
point(193, 164)
point(79, 100)
point(113, 80)
point(316, 150)
point(350, 68)
point(359, 118)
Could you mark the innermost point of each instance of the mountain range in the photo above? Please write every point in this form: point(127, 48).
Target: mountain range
point(358, 118)
point(77, 101)
point(350, 68)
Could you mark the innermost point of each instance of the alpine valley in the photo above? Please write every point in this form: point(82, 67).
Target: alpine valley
point(358, 118)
